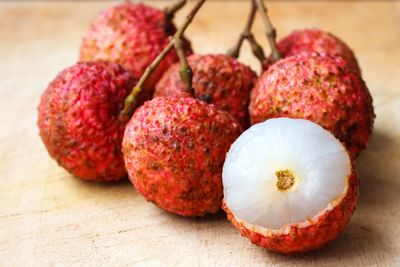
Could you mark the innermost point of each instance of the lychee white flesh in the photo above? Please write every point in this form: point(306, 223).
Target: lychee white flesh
point(317, 161)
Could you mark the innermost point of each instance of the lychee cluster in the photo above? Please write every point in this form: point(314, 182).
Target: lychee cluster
point(288, 183)
point(174, 147)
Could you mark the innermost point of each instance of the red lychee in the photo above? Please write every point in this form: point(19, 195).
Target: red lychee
point(78, 119)
point(289, 185)
point(319, 88)
point(315, 40)
point(217, 79)
point(131, 35)
point(174, 149)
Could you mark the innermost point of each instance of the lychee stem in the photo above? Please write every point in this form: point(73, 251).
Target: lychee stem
point(185, 71)
point(256, 48)
point(270, 30)
point(131, 99)
point(175, 7)
point(235, 51)
point(247, 35)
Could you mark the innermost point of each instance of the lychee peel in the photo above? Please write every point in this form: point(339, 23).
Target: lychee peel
point(306, 236)
point(78, 119)
point(217, 79)
point(304, 215)
point(319, 88)
point(131, 35)
point(315, 40)
point(174, 149)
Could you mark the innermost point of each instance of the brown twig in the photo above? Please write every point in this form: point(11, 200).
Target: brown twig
point(270, 30)
point(256, 48)
point(130, 101)
point(246, 34)
point(235, 51)
point(185, 71)
point(175, 7)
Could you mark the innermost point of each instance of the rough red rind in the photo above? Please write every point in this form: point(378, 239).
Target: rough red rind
point(131, 35)
point(217, 79)
point(319, 88)
point(313, 234)
point(174, 149)
point(78, 119)
point(314, 40)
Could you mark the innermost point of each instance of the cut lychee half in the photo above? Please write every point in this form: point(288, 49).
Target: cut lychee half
point(289, 185)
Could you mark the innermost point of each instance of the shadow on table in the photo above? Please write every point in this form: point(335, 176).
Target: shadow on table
point(113, 191)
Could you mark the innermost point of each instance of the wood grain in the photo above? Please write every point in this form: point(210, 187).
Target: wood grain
point(49, 218)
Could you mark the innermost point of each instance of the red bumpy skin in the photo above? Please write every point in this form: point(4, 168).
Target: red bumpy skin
point(319, 88)
point(131, 35)
point(174, 149)
point(217, 79)
point(313, 234)
point(78, 119)
point(314, 40)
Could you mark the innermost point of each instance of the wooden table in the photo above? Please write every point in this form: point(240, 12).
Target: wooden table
point(48, 217)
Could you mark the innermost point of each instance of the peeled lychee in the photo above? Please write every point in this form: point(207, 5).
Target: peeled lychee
point(131, 35)
point(78, 119)
point(319, 88)
point(289, 185)
point(174, 149)
point(217, 79)
point(314, 40)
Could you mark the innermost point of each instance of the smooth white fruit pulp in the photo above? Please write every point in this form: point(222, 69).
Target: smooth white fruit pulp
point(319, 162)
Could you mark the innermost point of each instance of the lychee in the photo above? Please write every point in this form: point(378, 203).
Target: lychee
point(315, 40)
point(131, 35)
point(217, 79)
point(289, 185)
point(174, 149)
point(78, 119)
point(319, 88)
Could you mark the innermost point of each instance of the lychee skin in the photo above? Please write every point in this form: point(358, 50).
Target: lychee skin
point(174, 149)
point(314, 40)
point(78, 119)
point(131, 35)
point(319, 88)
point(305, 237)
point(217, 79)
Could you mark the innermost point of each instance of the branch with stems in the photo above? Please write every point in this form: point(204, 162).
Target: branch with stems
point(235, 51)
point(270, 30)
point(248, 35)
point(256, 48)
point(131, 99)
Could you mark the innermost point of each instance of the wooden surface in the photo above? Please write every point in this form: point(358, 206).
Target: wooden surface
point(49, 218)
